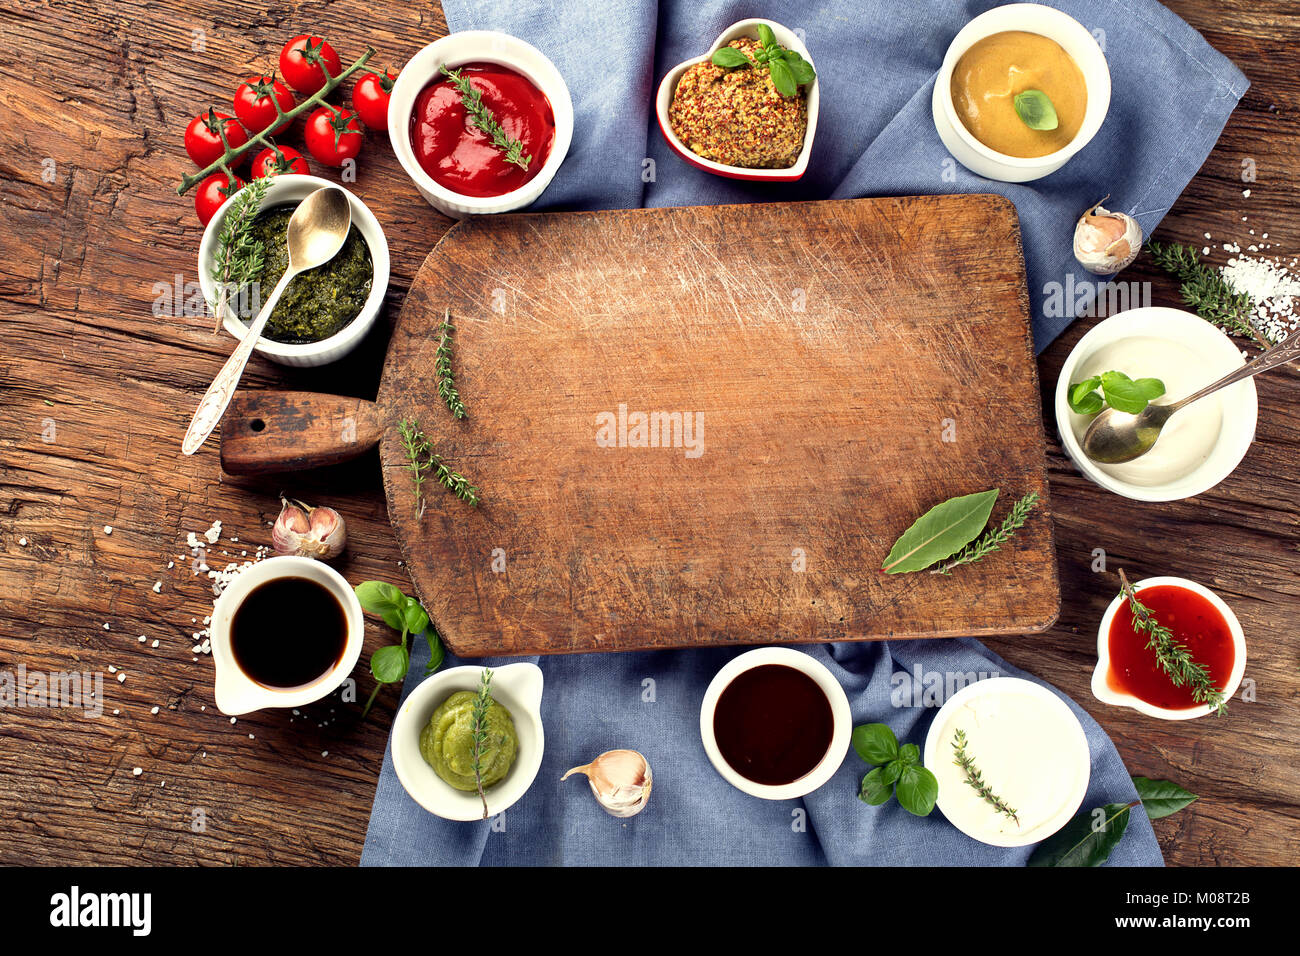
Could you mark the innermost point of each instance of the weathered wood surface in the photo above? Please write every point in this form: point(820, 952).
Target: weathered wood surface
point(104, 90)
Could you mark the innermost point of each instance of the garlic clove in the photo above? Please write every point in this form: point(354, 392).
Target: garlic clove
point(309, 532)
point(620, 780)
point(1106, 242)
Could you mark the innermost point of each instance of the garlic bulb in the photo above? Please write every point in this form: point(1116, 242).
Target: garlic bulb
point(1106, 242)
point(620, 779)
point(309, 532)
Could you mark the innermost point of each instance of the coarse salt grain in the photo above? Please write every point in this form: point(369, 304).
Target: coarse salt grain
point(153, 710)
point(121, 678)
point(137, 771)
point(22, 542)
point(157, 587)
point(108, 529)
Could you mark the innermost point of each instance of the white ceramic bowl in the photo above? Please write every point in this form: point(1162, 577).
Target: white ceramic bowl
point(478, 46)
point(1102, 690)
point(235, 692)
point(292, 187)
point(518, 688)
point(1221, 355)
point(841, 732)
point(1074, 38)
point(664, 100)
point(1076, 740)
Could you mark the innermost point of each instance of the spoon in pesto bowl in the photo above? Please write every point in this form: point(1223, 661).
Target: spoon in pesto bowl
point(317, 230)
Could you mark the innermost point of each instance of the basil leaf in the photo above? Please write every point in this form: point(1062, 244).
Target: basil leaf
point(875, 743)
point(393, 617)
point(909, 754)
point(941, 532)
point(765, 35)
point(388, 664)
point(802, 69)
point(917, 791)
point(1087, 840)
point(783, 78)
point(1160, 798)
point(1036, 110)
point(729, 57)
point(1126, 395)
point(891, 771)
point(414, 617)
point(875, 790)
point(379, 596)
point(436, 651)
point(1083, 397)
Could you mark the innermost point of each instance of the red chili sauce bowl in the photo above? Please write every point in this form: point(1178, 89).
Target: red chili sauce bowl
point(1128, 672)
point(461, 157)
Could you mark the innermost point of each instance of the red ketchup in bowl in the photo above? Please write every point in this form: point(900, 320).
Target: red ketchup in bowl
point(458, 155)
point(1195, 622)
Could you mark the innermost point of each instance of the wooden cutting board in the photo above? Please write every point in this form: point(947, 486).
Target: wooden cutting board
point(811, 377)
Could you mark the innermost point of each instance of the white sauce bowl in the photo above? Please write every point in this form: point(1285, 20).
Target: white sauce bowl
point(1218, 354)
point(1074, 38)
point(292, 187)
point(458, 49)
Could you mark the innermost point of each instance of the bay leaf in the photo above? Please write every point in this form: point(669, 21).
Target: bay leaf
point(941, 532)
point(1087, 840)
point(1160, 798)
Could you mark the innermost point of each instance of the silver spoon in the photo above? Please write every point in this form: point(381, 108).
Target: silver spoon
point(317, 231)
point(1115, 437)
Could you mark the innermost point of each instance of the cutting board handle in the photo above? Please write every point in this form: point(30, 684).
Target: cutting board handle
point(268, 431)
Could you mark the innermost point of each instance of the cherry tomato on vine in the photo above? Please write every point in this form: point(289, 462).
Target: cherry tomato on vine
point(211, 193)
point(255, 101)
point(301, 61)
point(269, 162)
point(333, 136)
point(203, 141)
point(370, 98)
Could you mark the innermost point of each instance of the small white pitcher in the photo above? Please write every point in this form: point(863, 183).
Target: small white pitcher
point(235, 692)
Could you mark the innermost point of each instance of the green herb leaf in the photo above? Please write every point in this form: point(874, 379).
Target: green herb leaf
point(389, 663)
point(941, 532)
point(436, 651)
point(1160, 798)
point(876, 789)
point(765, 35)
point(875, 743)
point(1036, 110)
point(917, 791)
point(891, 771)
point(1087, 840)
point(1126, 395)
point(909, 754)
point(801, 68)
point(993, 539)
point(728, 57)
point(379, 596)
point(414, 616)
point(783, 78)
point(1083, 396)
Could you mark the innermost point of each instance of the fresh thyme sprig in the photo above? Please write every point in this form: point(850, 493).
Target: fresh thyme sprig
point(486, 121)
point(240, 255)
point(421, 459)
point(975, 778)
point(1205, 289)
point(1172, 656)
point(446, 377)
point(479, 733)
point(991, 541)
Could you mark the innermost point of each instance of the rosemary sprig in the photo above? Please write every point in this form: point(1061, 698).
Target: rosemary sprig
point(486, 121)
point(232, 154)
point(479, 733)
point(421, 459)
point(239, 257)
point(992, 540)
point(1205, 289)
point(975, 778)
point(446, 377)
point(1172, 656)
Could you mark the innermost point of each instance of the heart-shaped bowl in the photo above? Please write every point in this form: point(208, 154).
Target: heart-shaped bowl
point(664, 99)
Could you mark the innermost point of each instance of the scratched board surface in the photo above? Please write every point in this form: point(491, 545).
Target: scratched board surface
point(708, 425)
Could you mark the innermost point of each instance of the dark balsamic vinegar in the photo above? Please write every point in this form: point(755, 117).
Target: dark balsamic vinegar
point(773, 724)
point(288, 632)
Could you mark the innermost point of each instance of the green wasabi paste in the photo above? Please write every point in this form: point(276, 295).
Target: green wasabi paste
point(447, 742)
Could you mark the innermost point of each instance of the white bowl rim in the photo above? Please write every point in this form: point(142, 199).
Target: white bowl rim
point(442, 798)
point(550, 85)
point(967, 38)
point(841, 721)
point(272, 569)
point(1007, 684)
point(668, 86)
point(1147, 321)
point(1106, 695)
point(351, 334)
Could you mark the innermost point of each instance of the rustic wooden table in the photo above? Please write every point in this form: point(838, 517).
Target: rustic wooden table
point(97, 391)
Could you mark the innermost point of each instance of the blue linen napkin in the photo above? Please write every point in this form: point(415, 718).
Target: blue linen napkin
point(1172, 95)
